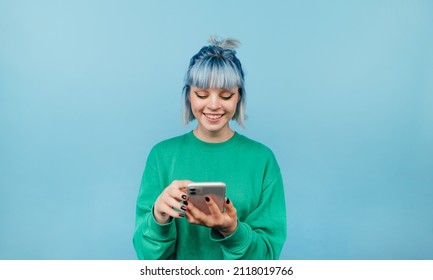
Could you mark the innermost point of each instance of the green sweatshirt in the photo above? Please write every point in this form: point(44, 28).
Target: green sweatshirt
point(254, 185)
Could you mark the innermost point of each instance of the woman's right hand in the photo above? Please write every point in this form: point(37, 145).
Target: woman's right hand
point(169, 199)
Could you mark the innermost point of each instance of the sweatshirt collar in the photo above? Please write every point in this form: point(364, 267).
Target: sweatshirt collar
point(220, 146)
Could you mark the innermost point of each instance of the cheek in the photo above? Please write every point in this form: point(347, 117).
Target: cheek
point(233, 106)
point(196, 105)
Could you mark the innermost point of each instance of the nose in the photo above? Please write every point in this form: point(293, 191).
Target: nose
point(214, 103)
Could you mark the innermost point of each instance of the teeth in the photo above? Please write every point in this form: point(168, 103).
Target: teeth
point(214, 117)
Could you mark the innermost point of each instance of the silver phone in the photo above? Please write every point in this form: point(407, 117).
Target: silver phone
point(198, 190)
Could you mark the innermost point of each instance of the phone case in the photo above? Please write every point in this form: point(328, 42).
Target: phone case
point(198, 191)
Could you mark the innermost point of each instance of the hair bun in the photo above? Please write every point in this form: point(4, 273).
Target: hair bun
point(229, 43)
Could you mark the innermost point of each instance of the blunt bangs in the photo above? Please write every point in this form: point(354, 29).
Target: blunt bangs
point(214, 72)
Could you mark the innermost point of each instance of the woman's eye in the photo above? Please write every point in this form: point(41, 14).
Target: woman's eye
point(227, 96)
point(201, 95)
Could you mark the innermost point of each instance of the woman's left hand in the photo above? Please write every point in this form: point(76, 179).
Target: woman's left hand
point(226, 222)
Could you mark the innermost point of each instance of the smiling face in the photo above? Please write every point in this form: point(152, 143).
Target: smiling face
point(213, 108)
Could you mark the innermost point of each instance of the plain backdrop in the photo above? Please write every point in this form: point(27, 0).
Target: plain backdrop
point(341, 91)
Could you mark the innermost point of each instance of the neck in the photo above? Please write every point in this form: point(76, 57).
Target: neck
point(213, 137)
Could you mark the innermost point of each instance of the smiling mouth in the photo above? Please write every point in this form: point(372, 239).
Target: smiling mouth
point(213, 117)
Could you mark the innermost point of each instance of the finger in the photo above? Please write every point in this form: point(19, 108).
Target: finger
point(177, 189)
point(195, 212)
point(172, 202)
point(171, 212)
point(177, 194)
point(213, 208)
point(181, 184)
point(230, 208)
point(166, 204)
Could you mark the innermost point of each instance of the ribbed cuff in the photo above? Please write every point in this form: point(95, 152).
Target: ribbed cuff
point(236, 241)
point(159, 231)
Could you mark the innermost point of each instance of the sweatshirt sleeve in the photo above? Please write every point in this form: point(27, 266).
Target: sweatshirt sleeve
point(152, 240)
point(262, 234)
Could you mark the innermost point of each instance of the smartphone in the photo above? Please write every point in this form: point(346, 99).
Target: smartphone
point(198, 191)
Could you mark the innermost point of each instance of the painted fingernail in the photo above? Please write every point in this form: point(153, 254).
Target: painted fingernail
point(184, 196)
point(185, 202)
point(183, 207)
point(181, 215)
point(228, 201)
point(207, 198)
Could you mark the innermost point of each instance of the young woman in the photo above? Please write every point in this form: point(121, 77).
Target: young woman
point(253, 223)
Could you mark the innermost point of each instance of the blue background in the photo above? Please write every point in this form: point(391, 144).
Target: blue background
point(341, 91)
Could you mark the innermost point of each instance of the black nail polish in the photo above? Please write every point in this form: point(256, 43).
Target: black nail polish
point(185, 202)
point(228, 201)
point(184, 196)
point(183, 207)
point(207, 198)
point(181, 215)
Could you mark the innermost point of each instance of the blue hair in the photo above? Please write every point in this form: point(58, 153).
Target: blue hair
point(215, 66)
